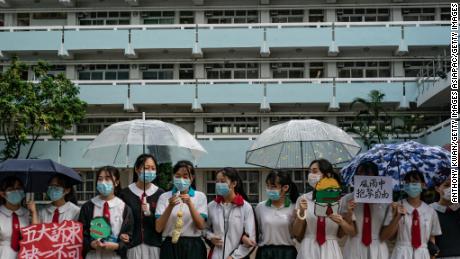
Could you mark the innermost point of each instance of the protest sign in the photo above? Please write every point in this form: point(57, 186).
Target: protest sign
point(373, 189)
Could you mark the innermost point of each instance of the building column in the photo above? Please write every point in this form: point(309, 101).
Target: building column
point(398, 69)
point(330, 15)
point(10, 19)
point(200, 72)
point(437, 14)
point(134, 72)
point(265, 70)
point(199, 125)
point(331, 69)
point(72, 19)
point(331, 120)
point(396, 14)
point(306, 70)
point(71, 72)
point(135, 18)
point(176, 72)
point(264, 123)
point(264, 16)
point(199, 17)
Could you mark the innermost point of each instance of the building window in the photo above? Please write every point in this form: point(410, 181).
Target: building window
point(288, 70)
point(363, 69)
point(251, 184)
point(23, 19)
point(103, 72)
point(158, 17)
point(87, 189)
point(157, 71)
point(104, 18)
point(418, 14)
point(186, 71)
point(316, 15)
point(363, 15)
point(231, 125)
point(49, 16)
point(426, 68)
point(2, 19)
point(186, 17)
point(445, 14)
point(54, 70)
point(232, 16)
point(232, 70)
point(316, 70)
point(286, 16)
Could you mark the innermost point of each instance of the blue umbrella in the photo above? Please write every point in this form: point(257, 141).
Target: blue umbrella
point(396, 160)
point(36, 173)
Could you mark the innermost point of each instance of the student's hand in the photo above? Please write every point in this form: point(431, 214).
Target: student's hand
point(337, 218)
point(351, 205)
point(303, 204)
point(95, 244)
point(173, 201)
point(145, 207)
point(32, 207)
point(248, 242)
point(398, 210)
point(124, 238)
point(217, 241)
point(111, 246)
point(186, 199)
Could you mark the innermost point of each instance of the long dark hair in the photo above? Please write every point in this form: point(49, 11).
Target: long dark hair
point(7, 182)
point(139, 164)
point(232, 174)
point(327, 170)
point(190, 169)
point(283, 179)
point(114, 174)
point(369, 167)
point(64, 182)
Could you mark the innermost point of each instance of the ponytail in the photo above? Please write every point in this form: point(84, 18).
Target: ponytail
point(283, 178)
point(232, 174)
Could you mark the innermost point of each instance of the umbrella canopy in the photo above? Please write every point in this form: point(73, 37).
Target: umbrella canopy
point(36, 173)
point(396, 160)
point(294, 144)
point(166, 141)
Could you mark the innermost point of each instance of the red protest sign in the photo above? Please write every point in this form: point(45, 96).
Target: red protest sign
point(52, 241)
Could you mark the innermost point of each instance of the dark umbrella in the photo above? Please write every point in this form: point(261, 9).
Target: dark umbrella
point(36, 173)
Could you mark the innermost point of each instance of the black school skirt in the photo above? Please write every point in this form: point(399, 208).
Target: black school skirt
point(276, 252)
point(185, 248)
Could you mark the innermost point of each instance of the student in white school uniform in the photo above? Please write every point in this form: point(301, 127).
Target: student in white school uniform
point(414, 222)
point(449, 218)
point(12, 216)
point(192, 205)
point(63, 203)
point(275, 217)
point(368, 220)
point(319, 235)
point(230, 217)
point(114, 210)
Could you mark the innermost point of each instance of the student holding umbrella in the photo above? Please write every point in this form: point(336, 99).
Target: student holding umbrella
point(230, 218)
point(181, 215)
point(142, 196)
point(414, 222)
point(12, 216)
point(63, 203)
point(105, 218)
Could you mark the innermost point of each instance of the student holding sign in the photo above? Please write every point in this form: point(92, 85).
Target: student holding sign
point(414, 222)
point(105, 218)
point(275, 217)
point(12, 216)
point(319, 234)
point(230, 217)
point(63, 203)
point(181, 215)
point(368, 219)
point(449, 217)
point(142, 196)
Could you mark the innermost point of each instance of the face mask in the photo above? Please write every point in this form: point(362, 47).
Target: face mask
point(55, 193)
point(222, 189)
point(447, 194)
point(181, 184)
point(413, 189)
point(15, 197)
point(149, 176)
point(273, 195)
point(313, 179)
point(104, 188)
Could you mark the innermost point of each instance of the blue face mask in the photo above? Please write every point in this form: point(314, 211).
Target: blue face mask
point(181, 184)
point(104, 188)
point(148, 175)
point(273, 195)
point(222, 189)
point(15, 197)
point(413, 189)
point(55, 193)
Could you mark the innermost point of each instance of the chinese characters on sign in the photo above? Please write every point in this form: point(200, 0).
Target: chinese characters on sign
point(57, 241)
point(373, 189)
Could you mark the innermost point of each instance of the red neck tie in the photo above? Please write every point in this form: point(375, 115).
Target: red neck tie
point(321, 230)
point(56, 216)
point(15, 232)
point(415, 230)
point(366, 238)
point(106, 211)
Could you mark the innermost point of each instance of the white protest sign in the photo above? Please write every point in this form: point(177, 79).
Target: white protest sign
point(373, 189)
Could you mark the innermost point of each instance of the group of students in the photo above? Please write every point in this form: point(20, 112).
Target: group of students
point(145, 219)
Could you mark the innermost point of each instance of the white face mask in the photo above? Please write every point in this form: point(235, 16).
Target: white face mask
point(313, 179)
point(447, 194)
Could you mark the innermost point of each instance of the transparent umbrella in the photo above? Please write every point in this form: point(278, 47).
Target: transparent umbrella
point(294, 144)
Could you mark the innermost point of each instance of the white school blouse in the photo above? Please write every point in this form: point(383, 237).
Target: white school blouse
point(68, 211)
point(6, 220)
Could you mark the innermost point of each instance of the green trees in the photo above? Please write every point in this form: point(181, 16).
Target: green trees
point(30, 109)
